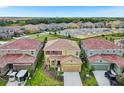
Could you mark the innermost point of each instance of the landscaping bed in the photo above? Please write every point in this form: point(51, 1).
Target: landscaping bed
point(87, 81)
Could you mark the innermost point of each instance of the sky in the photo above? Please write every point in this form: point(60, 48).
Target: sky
point(62, 11)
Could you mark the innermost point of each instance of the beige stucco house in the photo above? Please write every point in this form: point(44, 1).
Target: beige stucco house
point(63, 53)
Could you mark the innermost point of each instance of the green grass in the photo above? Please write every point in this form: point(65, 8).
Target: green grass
point(39, 78)
point(90, 81)
point(2, 83)
point(9, 39)
point(52, 36)
point(112, 37)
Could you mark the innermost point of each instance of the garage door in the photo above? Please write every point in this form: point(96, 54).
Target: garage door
point(71, 68)
point(101, 66)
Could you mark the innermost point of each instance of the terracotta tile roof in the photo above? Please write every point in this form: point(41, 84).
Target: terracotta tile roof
point(97, 43)
point(22, 44)
point(61, 44)
point(16, 59)
point(72, 59)
point(110, 58)
point(66, 59)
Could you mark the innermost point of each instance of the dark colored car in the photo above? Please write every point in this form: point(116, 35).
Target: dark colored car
point(112, 78)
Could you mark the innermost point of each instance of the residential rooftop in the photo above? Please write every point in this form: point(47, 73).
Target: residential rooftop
point(22, 44)
point(109, 58)
point(61, 44)
point(100, 44)
point(16, 59)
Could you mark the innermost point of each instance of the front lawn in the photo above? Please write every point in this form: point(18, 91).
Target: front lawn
point(91, 81)
point(39, 78)
point(2, 83)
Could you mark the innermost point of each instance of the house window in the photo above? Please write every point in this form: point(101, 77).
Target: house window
point(53, 52)
point(113, 51)
point(47, 52)
point(59, 52)
point(107, 50)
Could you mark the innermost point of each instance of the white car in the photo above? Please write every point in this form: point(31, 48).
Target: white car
point(12, 76)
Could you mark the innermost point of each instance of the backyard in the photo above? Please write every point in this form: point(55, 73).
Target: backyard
point(112, 37)
point(52, 36)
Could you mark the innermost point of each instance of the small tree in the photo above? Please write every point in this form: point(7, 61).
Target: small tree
point(45, 40)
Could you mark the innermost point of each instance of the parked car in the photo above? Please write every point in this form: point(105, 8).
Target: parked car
point(12, 76)
point(22, 75)
point(111, 78)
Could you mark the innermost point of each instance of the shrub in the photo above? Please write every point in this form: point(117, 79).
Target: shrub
point(91, 82)
point(121, 81)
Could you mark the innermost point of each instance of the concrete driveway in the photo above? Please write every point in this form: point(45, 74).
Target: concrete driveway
point(101, 79)
point(72, 79)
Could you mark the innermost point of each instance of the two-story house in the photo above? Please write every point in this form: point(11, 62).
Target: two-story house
point(63, 53)
point(103, 55)
point(19, 54)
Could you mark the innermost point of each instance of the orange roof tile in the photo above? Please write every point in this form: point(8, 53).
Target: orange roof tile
point(16, 59)
point(110, 58)
point(22, 44)
point(61, 44)
point(97, 43)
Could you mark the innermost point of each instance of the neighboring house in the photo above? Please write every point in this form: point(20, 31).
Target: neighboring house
point(103, 55)
point(99, 25)
point(120, 43)
point(31, 28)
point(19, 54)
point(6, 32)
point(88, 25)
point(9, 32)
point(122, 24)
point(63, 53)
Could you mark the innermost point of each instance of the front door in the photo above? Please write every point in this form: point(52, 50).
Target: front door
point(58, 63)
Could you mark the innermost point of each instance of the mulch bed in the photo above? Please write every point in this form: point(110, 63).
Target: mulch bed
point(52, 73)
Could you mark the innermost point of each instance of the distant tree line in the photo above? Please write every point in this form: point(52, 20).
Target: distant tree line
point(49, 20)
